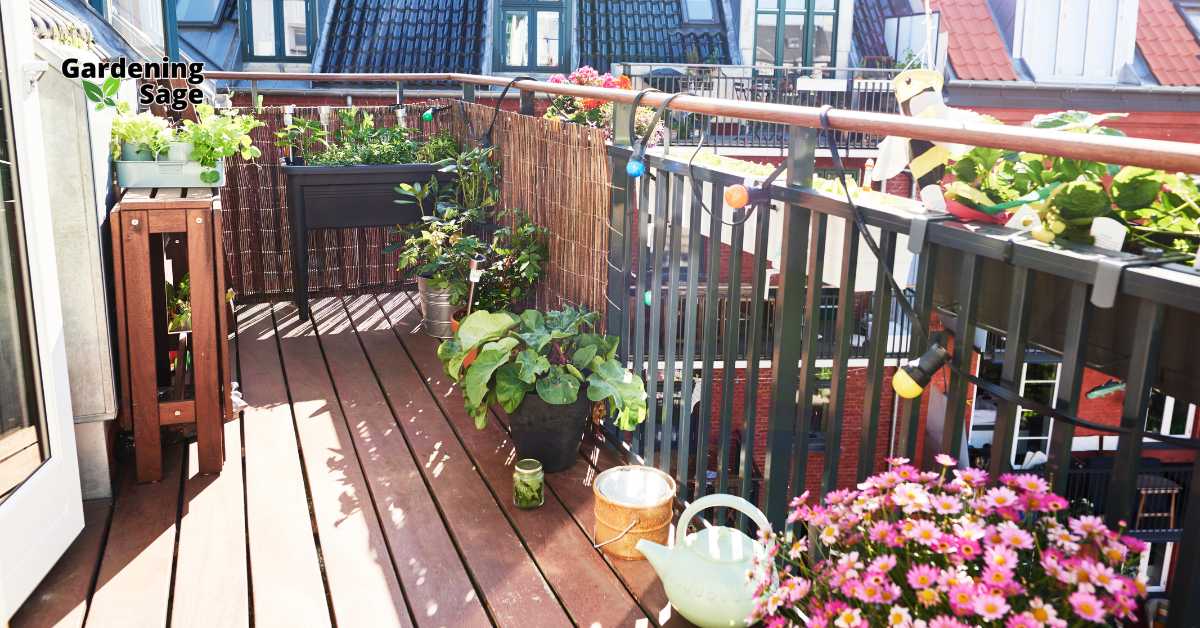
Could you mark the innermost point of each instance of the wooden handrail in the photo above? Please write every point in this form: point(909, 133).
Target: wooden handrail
point(1161, 154)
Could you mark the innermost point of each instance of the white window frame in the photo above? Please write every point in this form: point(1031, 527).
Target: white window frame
point(1017, 438)
point(1144, 567)
point(1168, 411)
point(1124, 41)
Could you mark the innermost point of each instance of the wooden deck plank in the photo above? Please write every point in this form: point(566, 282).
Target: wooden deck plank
point(286, 573)
point(135, 573)
point(435, 580)
point(210, 574)
point(591, 592)
point(513, 589)
point(362, 582)
point(60, 601)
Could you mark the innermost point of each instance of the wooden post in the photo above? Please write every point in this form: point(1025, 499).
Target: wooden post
point(142, 218)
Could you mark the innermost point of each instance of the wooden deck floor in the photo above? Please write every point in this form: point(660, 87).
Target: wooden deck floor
point(362, 496)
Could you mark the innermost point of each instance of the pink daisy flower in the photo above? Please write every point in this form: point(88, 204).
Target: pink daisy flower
point(1087, 607)
point(990, 607)
point(922, 576)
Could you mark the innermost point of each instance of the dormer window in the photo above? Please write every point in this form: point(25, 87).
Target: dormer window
point(278, 30)
point(1070, 40)
point(531, 36)
point(699, 11)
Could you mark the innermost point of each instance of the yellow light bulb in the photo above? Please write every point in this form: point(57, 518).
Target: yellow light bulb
point(905, 385)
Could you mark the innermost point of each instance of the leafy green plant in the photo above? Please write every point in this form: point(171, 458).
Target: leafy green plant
point(217, 136)
point(515, 260)
point(552, 354)
point(475, 186)
point(440, 147)
point(301, 137)
point(436, 248)
point(144, 131)
point(179, 304)
point(1161, 209)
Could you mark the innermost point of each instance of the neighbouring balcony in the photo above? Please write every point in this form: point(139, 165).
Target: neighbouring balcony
point(357, 490)
point(856, 89)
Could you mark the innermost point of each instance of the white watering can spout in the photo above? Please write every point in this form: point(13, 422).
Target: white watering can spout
point(704, 573)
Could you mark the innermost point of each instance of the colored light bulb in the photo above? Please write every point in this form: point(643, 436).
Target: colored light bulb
point(635, 168)
point(428, 115)
point(737, 196)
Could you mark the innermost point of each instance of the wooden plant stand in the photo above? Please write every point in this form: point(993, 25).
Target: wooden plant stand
point(158, 235)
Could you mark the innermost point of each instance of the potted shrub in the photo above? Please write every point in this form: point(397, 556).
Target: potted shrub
point(439, 254)
point(546, 371)
point(513, 262)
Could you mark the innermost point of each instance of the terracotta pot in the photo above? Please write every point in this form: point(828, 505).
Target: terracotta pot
point(457, 316)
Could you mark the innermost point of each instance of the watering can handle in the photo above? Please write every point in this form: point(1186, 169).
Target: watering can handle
point(716, 500)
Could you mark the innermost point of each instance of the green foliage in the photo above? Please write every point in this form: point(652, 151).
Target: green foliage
point(301, 137)
point(179, 304)
point(145, 131)
point(553, 355)
point(514, 262)
point(475, 186)
point(216, 136)
point(1069, 194)
point(437, 248)
point(440, 147)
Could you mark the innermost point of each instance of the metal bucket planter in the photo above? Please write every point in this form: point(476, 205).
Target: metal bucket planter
point(436, 312)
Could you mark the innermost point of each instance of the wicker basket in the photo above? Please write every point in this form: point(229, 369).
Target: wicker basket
point(632, 502)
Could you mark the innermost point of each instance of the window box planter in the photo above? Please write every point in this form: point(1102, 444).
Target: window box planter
point(342, 197)
point(137, 168)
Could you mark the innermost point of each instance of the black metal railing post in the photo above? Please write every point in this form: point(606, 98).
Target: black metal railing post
point(783, 431)
point(877, 348)
point(843, 322)
point(1143, 367)
point(1004, 431)
point(617, 316)
point(1070, 380)
point(526, 103)
point(910, 415)
point(969, 282)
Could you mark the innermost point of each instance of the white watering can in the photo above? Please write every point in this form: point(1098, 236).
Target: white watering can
point(704, 573)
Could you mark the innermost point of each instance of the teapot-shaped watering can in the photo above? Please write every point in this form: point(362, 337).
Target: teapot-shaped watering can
point(704, 573)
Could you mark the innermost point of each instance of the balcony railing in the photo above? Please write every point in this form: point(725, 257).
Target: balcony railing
point(969, 277)
point(858, 89)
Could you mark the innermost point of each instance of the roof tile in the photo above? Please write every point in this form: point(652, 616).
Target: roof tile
point(977, 52)
point(1168, 44)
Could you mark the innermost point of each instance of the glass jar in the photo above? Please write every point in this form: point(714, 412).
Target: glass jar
point(528, 483)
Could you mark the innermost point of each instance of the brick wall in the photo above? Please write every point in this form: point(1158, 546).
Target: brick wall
point(852, 426)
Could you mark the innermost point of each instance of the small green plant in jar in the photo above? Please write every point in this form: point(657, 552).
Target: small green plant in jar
point(528, 484)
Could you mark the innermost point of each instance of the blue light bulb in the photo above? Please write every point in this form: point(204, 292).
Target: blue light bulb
point(635, 168)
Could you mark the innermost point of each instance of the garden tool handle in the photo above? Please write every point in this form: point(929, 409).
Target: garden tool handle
point(719, 500)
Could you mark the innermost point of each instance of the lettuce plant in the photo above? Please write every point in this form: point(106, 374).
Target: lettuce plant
point(553, 355)
point(217, 136)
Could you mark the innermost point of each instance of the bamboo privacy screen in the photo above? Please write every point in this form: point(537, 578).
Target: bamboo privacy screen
point(556, 172)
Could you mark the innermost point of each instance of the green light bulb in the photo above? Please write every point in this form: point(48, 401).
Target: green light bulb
point(428, 115)
point(647, 298)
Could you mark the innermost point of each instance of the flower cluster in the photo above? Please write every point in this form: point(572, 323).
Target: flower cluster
point(927, 549)
point(595, 112)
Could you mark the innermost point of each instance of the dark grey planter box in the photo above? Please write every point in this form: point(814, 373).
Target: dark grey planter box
point(343, 197)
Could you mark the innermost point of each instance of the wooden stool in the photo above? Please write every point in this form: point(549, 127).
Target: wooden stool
point(156, 232)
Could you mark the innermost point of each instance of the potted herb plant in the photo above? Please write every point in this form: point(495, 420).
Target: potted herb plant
point(139, 136)
point(439, 254)
point(514, 260)
point(535, 365)
point(190, 156)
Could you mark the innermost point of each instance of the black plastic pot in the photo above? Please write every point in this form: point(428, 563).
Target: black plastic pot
point(548, 433)
point(340, 197)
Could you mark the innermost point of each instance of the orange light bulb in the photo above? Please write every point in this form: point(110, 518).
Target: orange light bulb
point(737, 196)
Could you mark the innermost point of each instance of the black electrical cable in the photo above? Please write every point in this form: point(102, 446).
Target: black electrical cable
point(696, 196)
point(487, 136)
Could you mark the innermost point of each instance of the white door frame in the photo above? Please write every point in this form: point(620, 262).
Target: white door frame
point(42, 516)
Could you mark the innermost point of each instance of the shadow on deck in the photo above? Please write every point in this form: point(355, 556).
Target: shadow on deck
point(362, 496)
